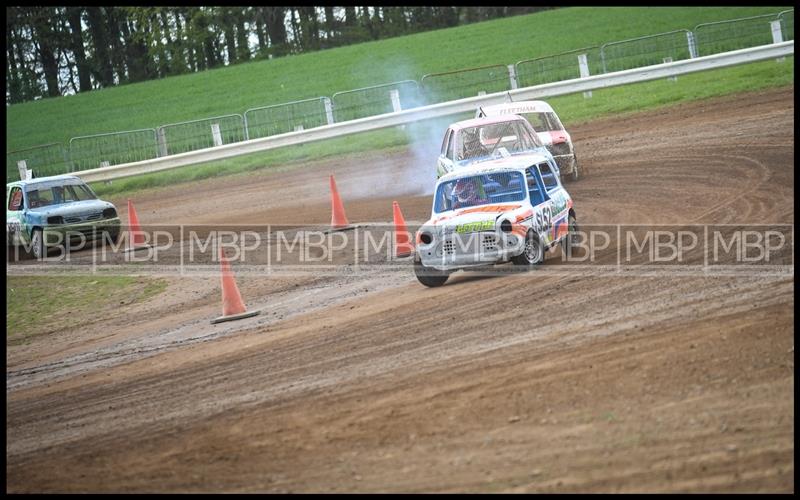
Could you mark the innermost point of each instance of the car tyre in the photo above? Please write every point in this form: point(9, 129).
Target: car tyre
point(532, 254)
point(568, 241)
point(428, 276)
point(112, 237)
point(38, 250)
point(575, 174)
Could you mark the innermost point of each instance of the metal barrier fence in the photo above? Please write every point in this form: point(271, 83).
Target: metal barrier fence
point(181, 137)
point(376, 100)
point(288, 117)
point(724, 36)
point(448, 109)
point(93, 151)
point(124, 147)
point(441, 87)
point(786, 19)
point(48, 159)
point(559, 67)
point(647, 50)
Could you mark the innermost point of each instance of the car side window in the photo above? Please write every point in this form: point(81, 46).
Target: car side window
point(450, 147)
point(537, 197)
point(537, 121)
point(443, 151)
point(548, 176)
point(15, 199)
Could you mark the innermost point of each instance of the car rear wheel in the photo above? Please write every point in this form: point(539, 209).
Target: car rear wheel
point(569, 239)
point(428, 276)
point(575, 173)
point(532, 254)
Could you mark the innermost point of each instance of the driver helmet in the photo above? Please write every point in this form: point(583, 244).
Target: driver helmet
point(465, 190)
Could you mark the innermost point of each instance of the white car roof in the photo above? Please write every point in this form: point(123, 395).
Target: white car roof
point(474, 122)
point(517, 107)
point(28, 182)
point(512, 163)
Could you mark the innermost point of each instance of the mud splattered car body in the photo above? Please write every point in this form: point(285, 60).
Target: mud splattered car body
point(548, 127)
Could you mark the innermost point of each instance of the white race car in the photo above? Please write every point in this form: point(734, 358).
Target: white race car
point(490, 212)
point(548, 127)
point(470, 141)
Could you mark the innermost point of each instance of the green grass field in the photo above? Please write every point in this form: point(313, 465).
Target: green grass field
point(37, 305)
point(237, 88)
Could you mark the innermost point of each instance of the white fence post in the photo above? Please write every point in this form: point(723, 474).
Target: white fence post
point(105, 163)
point(299, 128)
point(216, 133)
point(481, 92)
point(24, 172)
point(328, 110)
point(671, 78)
point(512, 76)
point(583, 65)
point(777, 36)
point(394, 95)
point(161, 138)
point(692, 44)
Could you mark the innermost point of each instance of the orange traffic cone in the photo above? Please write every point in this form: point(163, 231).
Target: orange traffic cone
point(338, 218)
point(136, 240)
point(232, 304)
point(403, 246)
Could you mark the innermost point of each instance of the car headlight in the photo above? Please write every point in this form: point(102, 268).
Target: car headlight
point(426, 238)
point(56, 219)
point(505, 226)
point(109, 213)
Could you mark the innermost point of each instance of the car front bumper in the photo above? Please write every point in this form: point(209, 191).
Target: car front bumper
point(87, 231)
point(450, 253)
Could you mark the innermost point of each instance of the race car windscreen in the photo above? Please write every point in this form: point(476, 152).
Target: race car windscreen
point(473, 191)
point(542, 122)
point(46, 194)
point(484, 141)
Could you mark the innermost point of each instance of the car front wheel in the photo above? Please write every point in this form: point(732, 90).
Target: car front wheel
point(428, 276)
point(111, 237)
point(533, 252)
point(37, 244)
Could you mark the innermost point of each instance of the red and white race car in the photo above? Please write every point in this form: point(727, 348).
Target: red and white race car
point(513, 208)
point(548, 127)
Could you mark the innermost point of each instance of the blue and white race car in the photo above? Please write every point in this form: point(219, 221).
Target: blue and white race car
point(511, 209)
point(49, 211)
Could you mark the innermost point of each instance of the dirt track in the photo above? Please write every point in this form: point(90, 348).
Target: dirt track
point(502, 384)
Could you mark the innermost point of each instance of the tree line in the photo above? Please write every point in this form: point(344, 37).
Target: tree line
point(52, 51)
